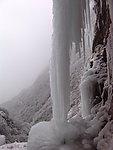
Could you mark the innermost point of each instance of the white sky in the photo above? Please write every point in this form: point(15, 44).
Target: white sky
point(25, 43)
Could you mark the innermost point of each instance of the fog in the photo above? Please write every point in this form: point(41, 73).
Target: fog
point(25, 43)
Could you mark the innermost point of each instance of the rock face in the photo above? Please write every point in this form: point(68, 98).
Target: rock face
point(104, 36)
point(10, 130)
point(110, 58)
point(102, 24)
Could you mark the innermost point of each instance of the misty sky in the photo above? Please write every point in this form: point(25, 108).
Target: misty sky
point(25, 43)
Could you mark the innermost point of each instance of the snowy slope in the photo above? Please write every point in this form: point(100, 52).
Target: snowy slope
point(10, 130)
point(32, 100)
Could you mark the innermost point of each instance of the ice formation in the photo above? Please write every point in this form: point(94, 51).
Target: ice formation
point(46, 136)
point(88, 90)
point(81, 25)
point(59, 71)
point(60, 134)
point(92, 82)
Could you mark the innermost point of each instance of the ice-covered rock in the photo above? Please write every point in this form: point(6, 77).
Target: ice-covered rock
point(89, 90)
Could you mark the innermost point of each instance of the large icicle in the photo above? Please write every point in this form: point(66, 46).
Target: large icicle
point(59, 72)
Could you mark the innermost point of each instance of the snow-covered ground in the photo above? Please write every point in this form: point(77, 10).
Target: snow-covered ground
point(14, 146)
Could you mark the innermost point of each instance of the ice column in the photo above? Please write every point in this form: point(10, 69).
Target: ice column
point(59, 70)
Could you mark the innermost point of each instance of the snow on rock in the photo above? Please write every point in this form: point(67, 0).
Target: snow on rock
point(104, 140)
point(14, 146)
point(2, 140)
point(105, 137)
point(2, 114)
point(99, 124)
point(94, 80)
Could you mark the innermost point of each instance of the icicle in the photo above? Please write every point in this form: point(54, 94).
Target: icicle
point(76, 24)
point(88, 23)
point(88, 89)
point(83, 26)
point(59, 72)
point(83, 41)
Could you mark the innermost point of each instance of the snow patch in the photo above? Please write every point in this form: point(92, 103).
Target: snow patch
point(2, 140)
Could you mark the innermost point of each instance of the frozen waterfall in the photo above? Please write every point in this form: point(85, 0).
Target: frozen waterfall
point(68, 23)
